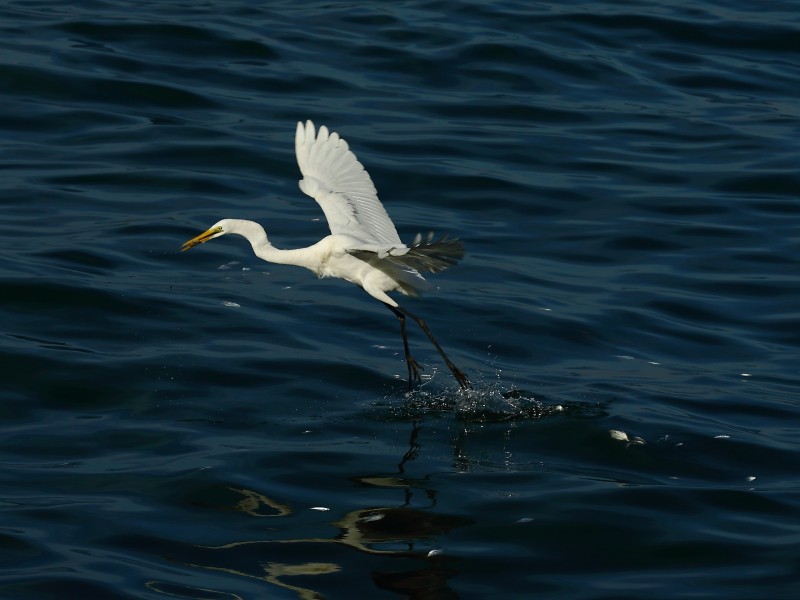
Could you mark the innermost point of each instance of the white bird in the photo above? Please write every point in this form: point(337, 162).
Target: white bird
point(363, 247)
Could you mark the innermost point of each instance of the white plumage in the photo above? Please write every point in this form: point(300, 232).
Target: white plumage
point(333, 176)
point(363, 247)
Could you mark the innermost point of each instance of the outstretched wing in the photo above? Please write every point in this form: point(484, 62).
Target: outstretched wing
point(333, 176)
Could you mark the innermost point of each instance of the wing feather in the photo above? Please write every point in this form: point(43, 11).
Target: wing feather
point(333, 176)
point(426, 255)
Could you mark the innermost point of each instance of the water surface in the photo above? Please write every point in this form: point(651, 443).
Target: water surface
point(206, 425)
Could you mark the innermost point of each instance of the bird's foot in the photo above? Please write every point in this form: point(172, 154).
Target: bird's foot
point(414, 369)
point(463, 382)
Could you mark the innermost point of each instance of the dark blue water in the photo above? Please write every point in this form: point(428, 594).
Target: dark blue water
point(206, 425)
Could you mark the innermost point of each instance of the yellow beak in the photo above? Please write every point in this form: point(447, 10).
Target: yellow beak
point(200, 239)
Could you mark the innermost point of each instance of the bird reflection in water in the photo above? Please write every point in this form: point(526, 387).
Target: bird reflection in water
point(382, 532)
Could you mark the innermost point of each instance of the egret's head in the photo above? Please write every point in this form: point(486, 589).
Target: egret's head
point(216, 230)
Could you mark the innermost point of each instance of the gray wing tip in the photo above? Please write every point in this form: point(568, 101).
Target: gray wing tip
point(434, 255)
point(443, 243)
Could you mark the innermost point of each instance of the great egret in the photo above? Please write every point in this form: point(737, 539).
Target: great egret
point(363, 247)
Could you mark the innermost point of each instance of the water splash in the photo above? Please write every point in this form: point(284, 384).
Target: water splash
point(494, 402)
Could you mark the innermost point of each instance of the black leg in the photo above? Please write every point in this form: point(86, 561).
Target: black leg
point(413, 366)
point(402, 312)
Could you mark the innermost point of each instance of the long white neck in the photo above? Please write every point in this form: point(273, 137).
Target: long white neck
point(263, 249)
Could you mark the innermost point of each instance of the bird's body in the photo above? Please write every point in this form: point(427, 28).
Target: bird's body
point(363, 247)
point(337, 256)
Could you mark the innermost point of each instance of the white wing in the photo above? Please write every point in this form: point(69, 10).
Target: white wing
point(333, 176)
